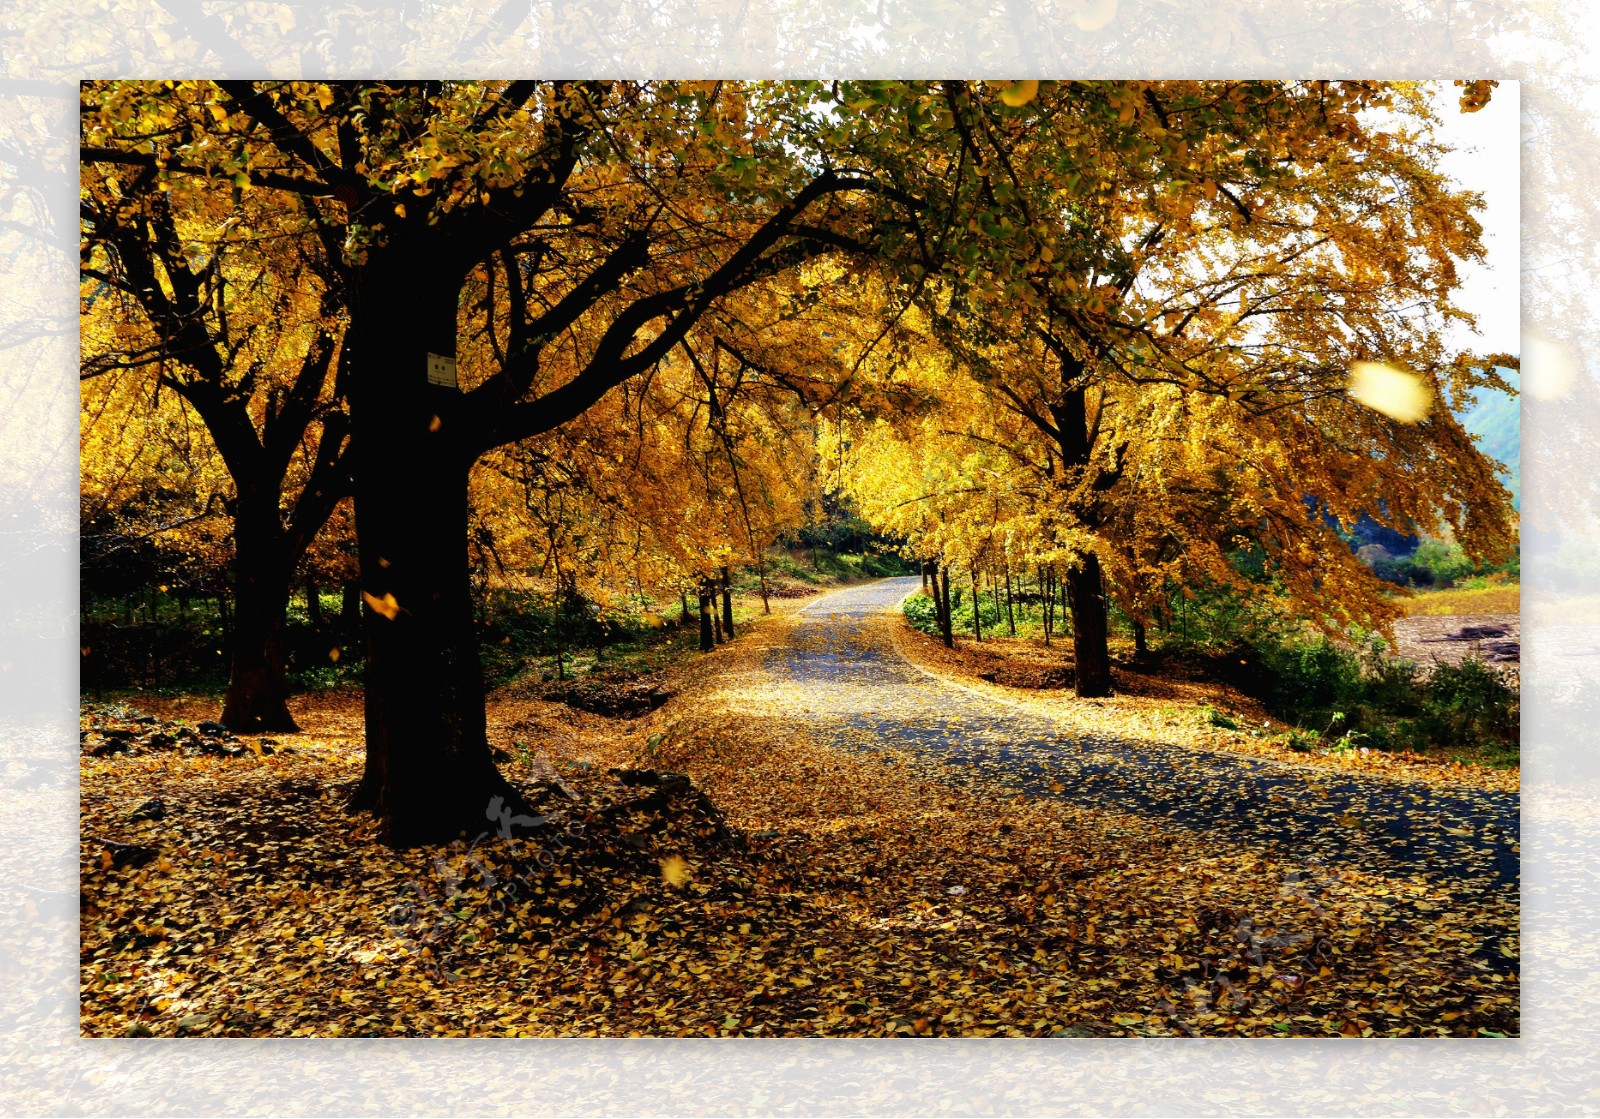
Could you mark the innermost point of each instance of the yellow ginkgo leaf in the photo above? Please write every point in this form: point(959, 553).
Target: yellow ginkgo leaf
point(1092, 15)
point(1397, 393)
point(674, 871)
point(1018, 94)
point(386, 605)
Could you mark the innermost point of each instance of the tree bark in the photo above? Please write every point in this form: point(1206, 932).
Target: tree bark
point(1011, 613)
point(429, 773)
point(350, 607)
point(257, 699)
point(1091, 658)
point(1047, 595)
point(708, 634)
point(977, 609)
point(727, 601)
point(946, 622)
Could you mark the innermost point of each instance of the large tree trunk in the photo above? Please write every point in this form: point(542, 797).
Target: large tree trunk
point(257, 699)
point(1091, 658)
point(429, 774)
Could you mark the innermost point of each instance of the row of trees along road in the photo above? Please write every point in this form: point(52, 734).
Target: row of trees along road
point(368, 288)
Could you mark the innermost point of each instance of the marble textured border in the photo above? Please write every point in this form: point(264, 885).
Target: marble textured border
point(46, 1068)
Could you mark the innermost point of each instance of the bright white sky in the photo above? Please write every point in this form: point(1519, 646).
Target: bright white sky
point(1487, 159)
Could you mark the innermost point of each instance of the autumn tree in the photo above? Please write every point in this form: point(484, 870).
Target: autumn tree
point(1216, 254)
point(608, 217)
point(195, 296)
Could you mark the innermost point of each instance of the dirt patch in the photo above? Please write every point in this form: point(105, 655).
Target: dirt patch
point(1495, 639)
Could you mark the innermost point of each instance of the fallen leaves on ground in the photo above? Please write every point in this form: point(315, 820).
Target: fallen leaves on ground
point(816, 892)
point(1159, 708)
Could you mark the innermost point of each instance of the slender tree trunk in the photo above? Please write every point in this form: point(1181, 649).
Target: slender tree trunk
point(708, 635)
point(350, 606)
point(977, 609)
point(1091, 658)
point(1047, 596)
point(946, 620)
point(1141, 646)
point(313, 603)
point(429, 774)
point(727, 601)
point(1011, 613)
point(761, 575)
point(257, 698)
point(683, 603)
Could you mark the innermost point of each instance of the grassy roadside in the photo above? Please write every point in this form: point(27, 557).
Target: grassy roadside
point(1173, 701)
point(1489, 599)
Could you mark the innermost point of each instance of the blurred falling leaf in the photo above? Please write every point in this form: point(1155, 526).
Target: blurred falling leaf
point(1397, 393)
point(386, 605)
point(1548, 370)
point(674, 871)
point(1092, 15)
point(1018, 94)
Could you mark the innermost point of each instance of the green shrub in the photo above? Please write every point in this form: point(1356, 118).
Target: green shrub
point(1314, 675)
point(1304, 741)
point(881, 566)
point(1338, 700)
point(1471, 699)
point(919, 611)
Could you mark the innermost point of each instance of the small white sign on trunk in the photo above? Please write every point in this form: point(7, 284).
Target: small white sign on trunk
point(442, 371)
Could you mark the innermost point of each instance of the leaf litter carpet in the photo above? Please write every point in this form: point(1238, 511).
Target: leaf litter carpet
point(859, 849)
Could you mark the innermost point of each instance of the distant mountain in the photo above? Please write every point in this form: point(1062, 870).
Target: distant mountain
point(1496, 419)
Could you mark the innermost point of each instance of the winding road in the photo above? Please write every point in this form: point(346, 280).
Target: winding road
point(860, 693)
